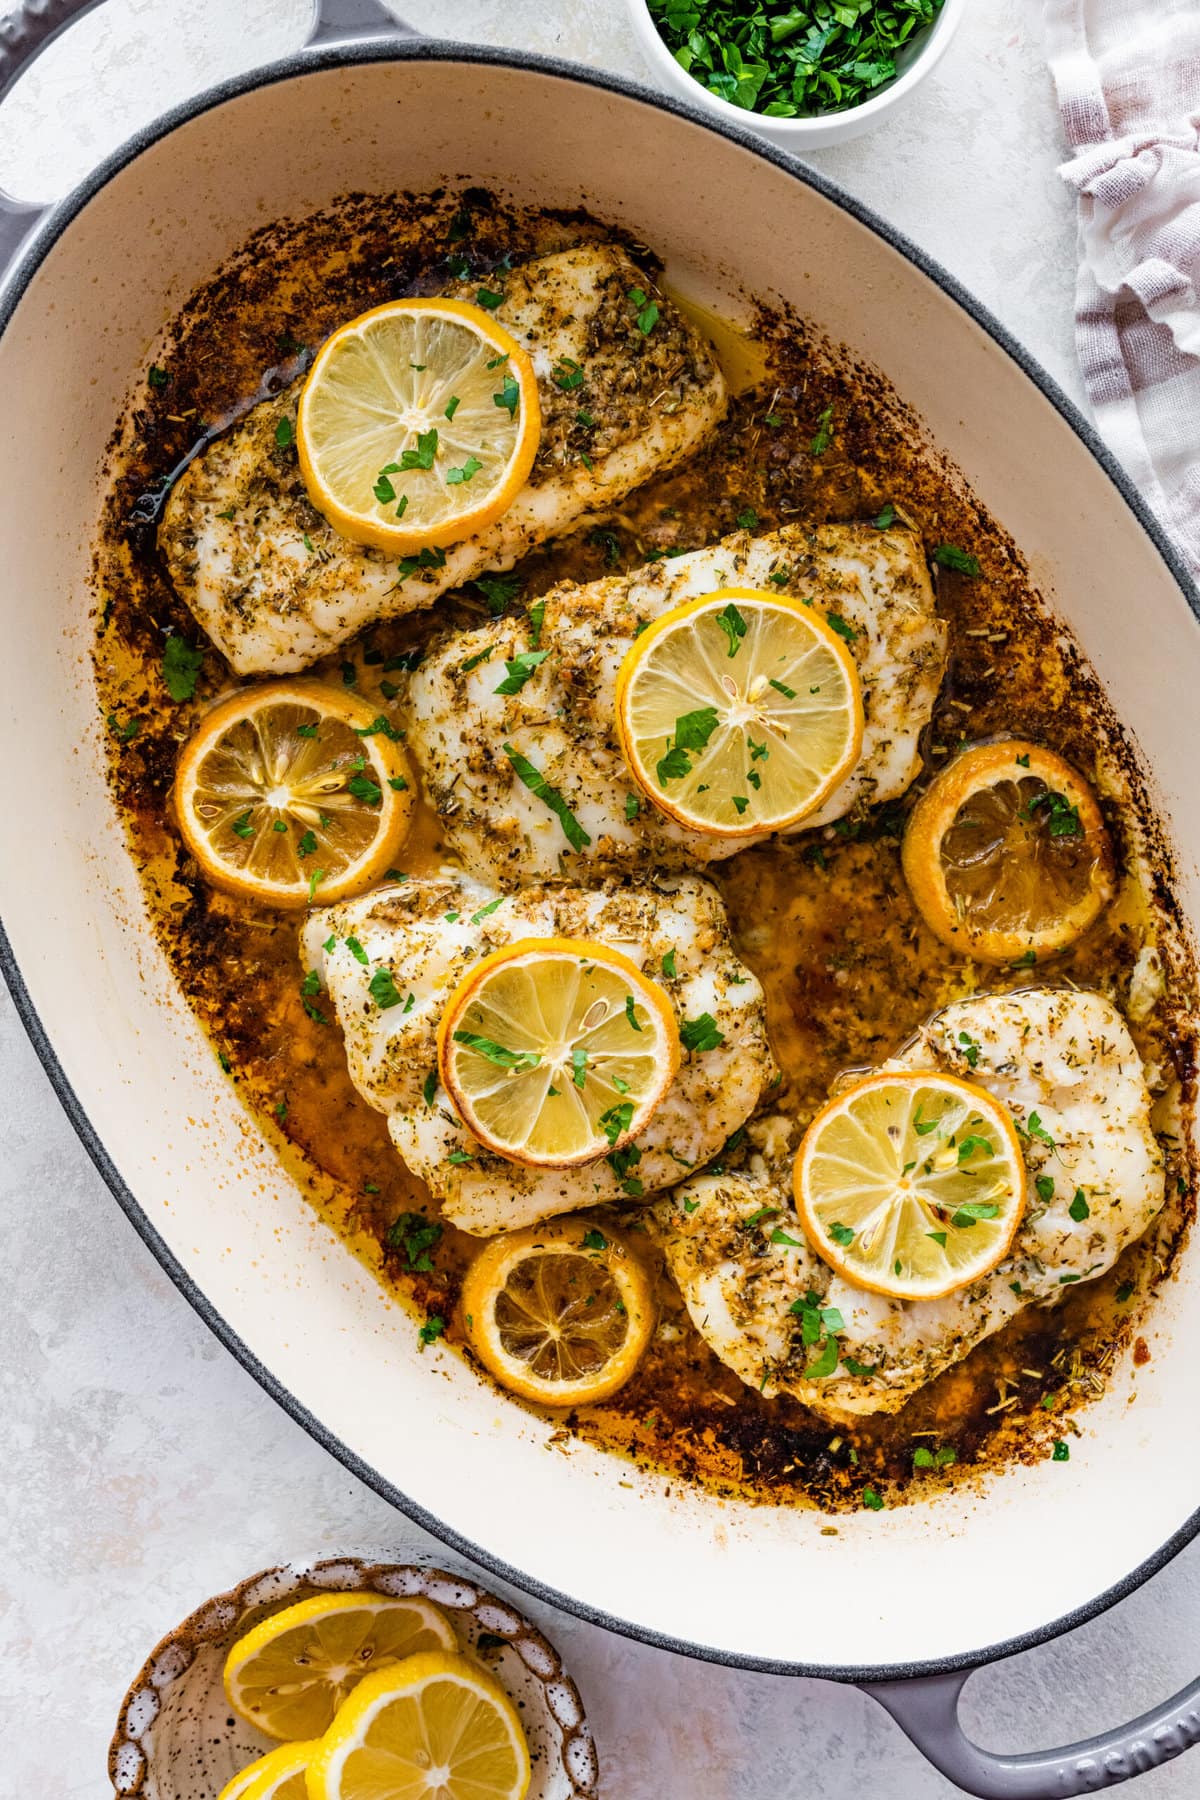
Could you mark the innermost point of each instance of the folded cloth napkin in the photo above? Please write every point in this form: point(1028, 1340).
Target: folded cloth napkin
point(1128, 80)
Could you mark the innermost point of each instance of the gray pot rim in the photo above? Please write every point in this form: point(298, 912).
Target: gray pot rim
point(33, 252)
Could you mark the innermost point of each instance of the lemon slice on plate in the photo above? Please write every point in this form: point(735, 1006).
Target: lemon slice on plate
point(560, 1313)
point(279, 1775)
point(293, 792)
point(418, 424)
point(434, 1727)
point(291, 1672)
point(556, 1051)
point(911, 1184)
point(739, 713)
point(1006, 853)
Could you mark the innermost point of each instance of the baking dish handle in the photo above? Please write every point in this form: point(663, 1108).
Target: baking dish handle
point(27, 29)
point(926, 1710)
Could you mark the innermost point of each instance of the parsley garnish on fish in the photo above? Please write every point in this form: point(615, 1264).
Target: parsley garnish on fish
point(884, 520)
point(415, 1237)
point(823, 436)
point(537, 784)
point(692, 732)
point(949, 556)
point(1062, 817)
point(647, 310)
point(379, 724)
point(156, 376)
point(924, 1458)
point(616, 1120)
point(433, 1327)
point(519, 669)
point(497, 1053)
point(383, 990)
point(364, 789)
point(285, 432)
point(731, 622)
point(701, 1034)
point(181, 665)
point(842, 626)
point(489, 299)
point(498, 590)
point(423, 456)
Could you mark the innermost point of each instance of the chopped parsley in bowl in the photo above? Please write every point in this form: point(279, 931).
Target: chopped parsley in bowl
point(804, 65)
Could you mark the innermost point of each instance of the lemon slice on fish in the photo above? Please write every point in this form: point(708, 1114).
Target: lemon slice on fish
point(1007, 855)
point(289, 1674)
point(740, 713)
point(292, 793)
point(434, 1727)
point(911, 1184)
point(557, 1051)
point(560, 1313)
point(418, 424)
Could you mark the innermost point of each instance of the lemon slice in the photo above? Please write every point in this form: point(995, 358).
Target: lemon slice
point(1006, 853)
point(434, 1727)
point(418, 424)
point(556, 1051)
point(288, 1676)
point(279, 1775)
point(560, 1313)
point(911, 1184)
point(739, 713)
point(293, 792)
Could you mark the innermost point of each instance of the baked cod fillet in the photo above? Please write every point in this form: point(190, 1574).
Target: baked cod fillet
point(562, 717)
point(426, 935)
point(234, 529)
point(1066, 1056)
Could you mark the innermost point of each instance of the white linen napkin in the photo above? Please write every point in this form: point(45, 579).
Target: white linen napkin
point(1128, 79)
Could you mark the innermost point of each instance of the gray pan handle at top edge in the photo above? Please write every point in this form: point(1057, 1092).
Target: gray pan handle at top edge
point(926, 1710)
point(27, 29)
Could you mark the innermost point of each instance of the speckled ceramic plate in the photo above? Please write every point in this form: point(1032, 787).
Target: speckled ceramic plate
point(176, 1739)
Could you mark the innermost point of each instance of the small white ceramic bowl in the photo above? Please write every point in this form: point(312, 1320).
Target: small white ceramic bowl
point(800, 135)
point(175, 1739)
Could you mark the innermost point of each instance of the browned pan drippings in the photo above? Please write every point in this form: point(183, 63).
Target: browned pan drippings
point(826, 921)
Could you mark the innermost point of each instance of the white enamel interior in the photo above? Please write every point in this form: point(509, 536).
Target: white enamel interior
point(921, 1582)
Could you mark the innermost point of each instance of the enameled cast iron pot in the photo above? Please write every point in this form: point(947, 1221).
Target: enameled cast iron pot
point(909, 1600)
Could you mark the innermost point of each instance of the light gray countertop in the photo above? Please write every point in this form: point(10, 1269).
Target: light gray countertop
point(143, 1468)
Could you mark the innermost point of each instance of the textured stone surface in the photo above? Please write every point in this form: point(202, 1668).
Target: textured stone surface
point(143, 1470)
